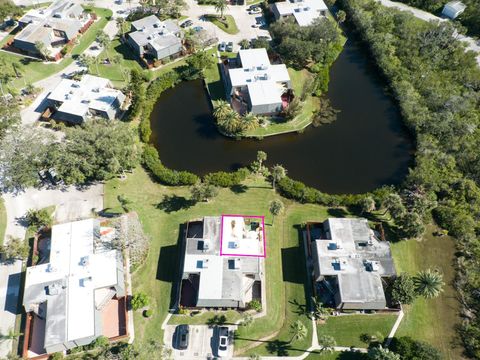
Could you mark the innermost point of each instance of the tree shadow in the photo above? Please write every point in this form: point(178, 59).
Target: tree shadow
point(291, 269)
point(278, 347)
point(337, 212)
point(172, 203)
point(300, 309)
point(239, 189)
point(216, 320)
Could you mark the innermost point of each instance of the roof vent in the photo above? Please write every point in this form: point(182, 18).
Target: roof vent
point(85, 260)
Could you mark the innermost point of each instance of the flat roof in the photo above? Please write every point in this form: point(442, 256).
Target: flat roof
point(350, 250)
point(243, 235)
point(91, 92)
point(77, 267)
point(221, 277)
point(150, 30)
point(304, 11)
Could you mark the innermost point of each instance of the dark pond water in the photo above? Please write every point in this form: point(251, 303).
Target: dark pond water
point(366, 146)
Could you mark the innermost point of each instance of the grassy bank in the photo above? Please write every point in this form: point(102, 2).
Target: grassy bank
point(434, 320)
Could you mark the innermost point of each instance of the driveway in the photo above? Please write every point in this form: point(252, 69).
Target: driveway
point(203, 343)
point(239, 12)
point(71, 204)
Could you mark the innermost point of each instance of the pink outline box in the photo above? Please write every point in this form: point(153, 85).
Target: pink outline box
point(244, 216)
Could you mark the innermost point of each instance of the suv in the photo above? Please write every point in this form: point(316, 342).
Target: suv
point(229, 47)
point(222, 341)
point(187, 24)
point(182, 336)
point(222, 46)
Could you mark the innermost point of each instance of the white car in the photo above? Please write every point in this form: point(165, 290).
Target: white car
point(255, 11)
point(222, 342)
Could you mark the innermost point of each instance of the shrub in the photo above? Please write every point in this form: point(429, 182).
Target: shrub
point(39, 218)
point(56, 356)
point(255, 304)
point(225, 179)
point(139, 300)
point(403, 289)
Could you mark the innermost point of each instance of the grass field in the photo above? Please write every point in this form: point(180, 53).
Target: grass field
point(434, 320)
point(34, 70)
point(347, 330)
point(285, 273)
point(228, 25)
point(3, 220)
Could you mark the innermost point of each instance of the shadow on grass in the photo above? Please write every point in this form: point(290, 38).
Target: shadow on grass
point(239, 189)
point(216, 88)
point(291, 269)
point(125, 51)
point(172, 203)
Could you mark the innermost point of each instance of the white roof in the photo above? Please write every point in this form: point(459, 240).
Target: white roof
point(304, 11)
point(264, 81)
point(79, 268)
point(238, 238)
point(91, 92)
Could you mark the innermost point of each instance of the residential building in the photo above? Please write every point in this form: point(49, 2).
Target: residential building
point(210, 279)
point(453, 9)
point(303, 11)
point(156, 39)
point(351, 263)
point(76, 292)
point(74, 101)
point(255, 85)
point(54, 26)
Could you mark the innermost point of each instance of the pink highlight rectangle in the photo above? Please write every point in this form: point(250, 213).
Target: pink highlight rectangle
point(243, 216)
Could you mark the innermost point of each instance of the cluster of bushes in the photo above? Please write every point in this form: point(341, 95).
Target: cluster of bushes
point(437, 86)
point(226, 179)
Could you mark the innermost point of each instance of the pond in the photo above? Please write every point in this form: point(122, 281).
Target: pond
point(366, 147)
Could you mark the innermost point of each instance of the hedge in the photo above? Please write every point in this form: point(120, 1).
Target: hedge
point(226, 179)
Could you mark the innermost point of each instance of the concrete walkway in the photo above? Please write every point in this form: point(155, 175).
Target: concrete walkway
point(472, 44)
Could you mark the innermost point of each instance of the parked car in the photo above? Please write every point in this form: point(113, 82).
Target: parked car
point(222, 46)
point(197, 28)
point(186, 24)
point(254, 11)
point(264, 37)
point(251, 7)
point(183, 332)
point(229, 46)
point(222, 341)
point(260, 23)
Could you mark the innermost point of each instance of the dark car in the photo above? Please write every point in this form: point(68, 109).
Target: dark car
point(187, 24)
point(183, 332)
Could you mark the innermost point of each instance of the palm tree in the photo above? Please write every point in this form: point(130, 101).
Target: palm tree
point(278, 173)
point(221, 109)
point(298, 330)
point(276, 208)
point(319, 311)
point(428, 283)
point(221, 6)
point(230, 123)
point(261, 157)
point(249, 121)
point(103, 40)
point(327, 343)
point(121, 24)
point(247, 320)
point(11, 335)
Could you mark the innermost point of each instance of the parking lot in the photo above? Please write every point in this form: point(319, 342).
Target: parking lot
point(202, 344)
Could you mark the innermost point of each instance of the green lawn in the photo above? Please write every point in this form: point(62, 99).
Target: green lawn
point(285, 269)
point(228, 25)
point(3, 220)
point(348, 329)
point(302, 120)
point(434, 320)
point(214, 81)
point(35, 70)
point(231, 316)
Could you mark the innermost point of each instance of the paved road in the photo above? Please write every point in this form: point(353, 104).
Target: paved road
point(71, 204)
point(472, 44)
point(239, 12)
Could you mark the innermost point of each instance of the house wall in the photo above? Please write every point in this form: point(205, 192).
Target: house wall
point(25, 46)
point(63, 116)
point(169, 51)
point(137, 48)
point(265, 108)
point(361, 306)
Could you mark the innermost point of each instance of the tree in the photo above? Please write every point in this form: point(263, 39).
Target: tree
point(403, 289)
point(410, 349)
point(276, 208)
point(104, 41)
point(98, 150)
point(203, 191)
point(341, 16)
point(139, 300)
point(249, 121)
point(199, 62)
point(298, 330)
point(42, 49)
point(247, 320)
point(428, 283)
point(222, 109)
point(412, 225)
point(327, 343)
point(220, 7)
point(9, 116)
point(244, 43)
point(39, 218)
point(278, 173)
point(87, 61)
point(393, 204)
point(367, 203)
point(122, 25)
point(15, 249)
point(261, 157)
point(254, 357)
point(10, 335)
point(319, 311)
point(230, 123)
point(380, 353)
